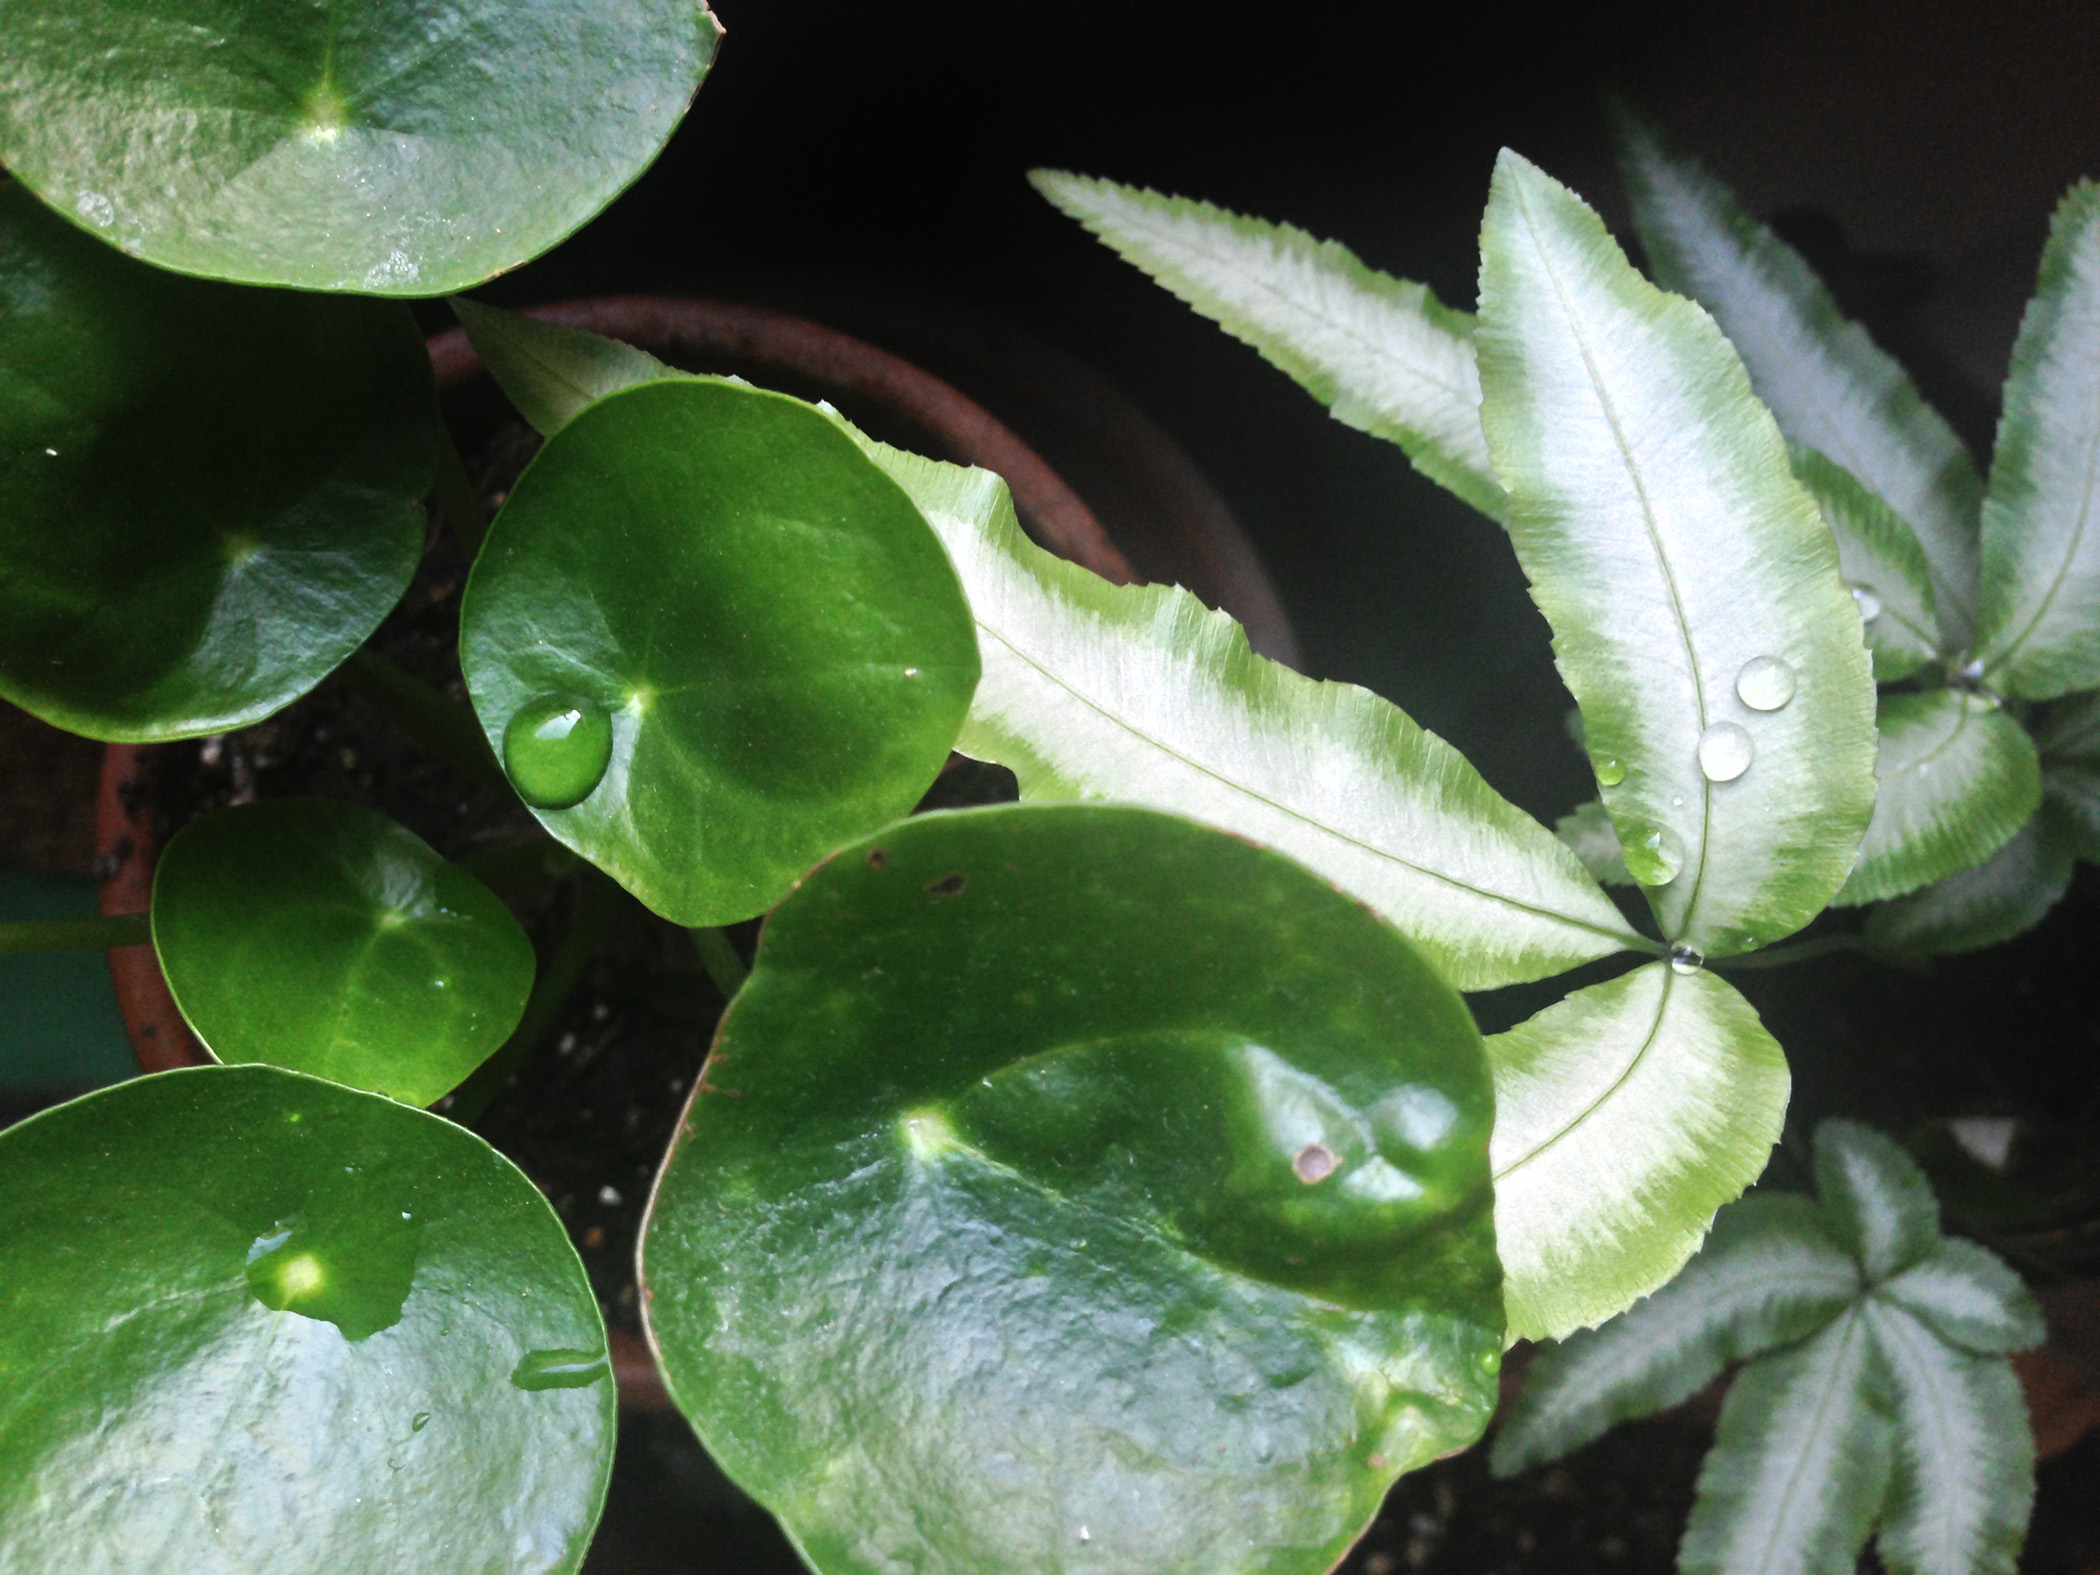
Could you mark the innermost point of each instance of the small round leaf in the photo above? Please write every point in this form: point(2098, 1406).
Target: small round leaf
point(251, 1320)
point(1078, 1188)
point(323, 937)
point(396, 147)
point(767, 624)
point(208, 495)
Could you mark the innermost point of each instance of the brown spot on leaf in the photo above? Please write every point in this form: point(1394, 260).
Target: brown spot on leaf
point(878, 859)
point(1315, 1163)
point(946, 886)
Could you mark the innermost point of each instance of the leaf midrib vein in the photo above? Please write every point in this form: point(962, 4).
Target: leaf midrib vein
point(1662, 559)
point(1823, 1404)
point(1168, 240)
point(1662, 1010)
point(2063, 568)
point(1298, 815)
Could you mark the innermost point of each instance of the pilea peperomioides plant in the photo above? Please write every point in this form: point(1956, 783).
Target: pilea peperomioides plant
point(1876, 1385)
point(1072, 1186)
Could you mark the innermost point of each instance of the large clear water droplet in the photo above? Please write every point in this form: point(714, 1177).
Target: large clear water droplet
point(1725, 751)
point(560, 1369)
point(1611, 770)
point(1869, 602)
point(1765, 683)
point(1657, 858)
point(556, 749)
point(1684, 960)
point(343, 1258)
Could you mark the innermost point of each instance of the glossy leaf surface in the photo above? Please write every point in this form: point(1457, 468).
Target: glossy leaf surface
point(251, 1320)
point(1625, 1116)
point(776, 637)
point(1075, 1188)
point(208, 496)
point(1669, 546)
point(1991, 903)
point(1964, 1459)
point(1884, 567)
point(1957, 777)
point(551, 371)
point(1830, 386)
point(1140, 694)
point(1770, 1274)
point(1383, 354)
point(2069, 739)
point(404, 147)
point(1800, 1465)
point(323, 937)
point(2038, 635)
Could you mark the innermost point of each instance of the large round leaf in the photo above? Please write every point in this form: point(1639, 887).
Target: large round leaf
point(397, 147)
point(324, 937)
point(207, 494)
point(767, 622)
point(253, 1321)
point(1077, 1188)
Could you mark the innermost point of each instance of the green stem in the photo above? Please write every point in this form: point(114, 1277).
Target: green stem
point(441, 725)
point(75, 935)
point(1787, 956)
point(597, 899)
point(721, 961)
point(456, 496)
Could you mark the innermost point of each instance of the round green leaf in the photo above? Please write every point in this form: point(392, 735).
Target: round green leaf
point(1077, 1188)
point(251, 1320)
point(208, 495)
point(324, 937)
point(397, 147)
point(765, 620)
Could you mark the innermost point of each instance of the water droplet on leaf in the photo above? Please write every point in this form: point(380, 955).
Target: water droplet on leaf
point(1725, 751)
point(1869, 601)
point(556, 749)
point(1765, 683)
point(420, 1421)
point(559, 1369)
point(1684, 960)
point(1657, 858)
point(342, 1258)
point(1611, 771)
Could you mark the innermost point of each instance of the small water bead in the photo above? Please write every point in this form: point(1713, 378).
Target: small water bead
point(1684, 960)
point(1657, 858)
point(1611, 770)
point(560, 1369)
point(1725, 751)
point(1869, 601)
point(1765, 683)
point(556, 749)
point(419, 1421)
